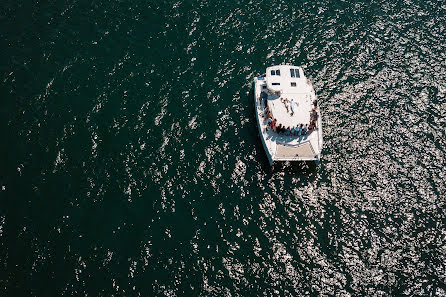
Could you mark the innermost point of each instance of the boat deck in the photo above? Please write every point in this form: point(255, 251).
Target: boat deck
point(299, 109)
point(302, 151)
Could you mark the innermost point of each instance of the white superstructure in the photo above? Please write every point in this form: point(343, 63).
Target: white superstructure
point(285, 95)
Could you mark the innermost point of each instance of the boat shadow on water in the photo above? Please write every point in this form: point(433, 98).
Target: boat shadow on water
point(303, 167)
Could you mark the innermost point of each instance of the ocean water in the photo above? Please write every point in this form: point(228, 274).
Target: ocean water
point(131, 164)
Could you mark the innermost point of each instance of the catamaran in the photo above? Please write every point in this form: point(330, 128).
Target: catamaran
point(288, 115)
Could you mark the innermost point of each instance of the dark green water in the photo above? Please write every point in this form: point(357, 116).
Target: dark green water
point(130, 162)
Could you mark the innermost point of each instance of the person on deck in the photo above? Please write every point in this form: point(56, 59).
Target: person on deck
point(315, 116)
point(266, 111)
point(293, 106)
point(310, 128)
point(273, 124)
point(304, 129)
point(299, 130)
point(286, 102)
point(264, 96)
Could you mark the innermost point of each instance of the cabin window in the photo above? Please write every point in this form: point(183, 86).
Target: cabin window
point(292, 73)
point(297, 73)
point(263, 87)
point(278, 72)
point(276, 84)
point(273, 72)
point(293, 84)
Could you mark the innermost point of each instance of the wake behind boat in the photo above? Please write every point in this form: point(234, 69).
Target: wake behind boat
point(288, 115)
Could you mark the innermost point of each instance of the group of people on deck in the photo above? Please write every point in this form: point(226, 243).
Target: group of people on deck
point(298, 130)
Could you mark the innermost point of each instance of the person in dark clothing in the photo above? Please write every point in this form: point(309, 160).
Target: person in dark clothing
point(304, 129)
point(264, 96)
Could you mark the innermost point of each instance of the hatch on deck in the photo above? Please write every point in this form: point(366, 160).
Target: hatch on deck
point(302, 151)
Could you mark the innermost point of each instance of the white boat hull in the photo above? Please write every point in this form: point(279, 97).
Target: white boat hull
point(279, 147)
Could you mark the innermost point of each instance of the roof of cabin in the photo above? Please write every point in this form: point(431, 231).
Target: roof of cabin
point(286, 78)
